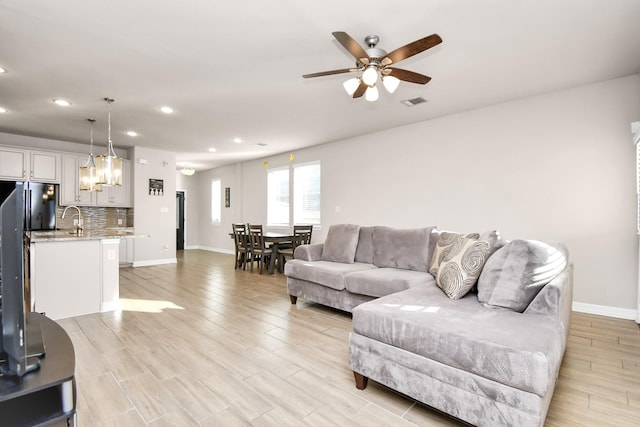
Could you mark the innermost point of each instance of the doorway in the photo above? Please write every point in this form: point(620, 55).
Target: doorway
point(180, 220)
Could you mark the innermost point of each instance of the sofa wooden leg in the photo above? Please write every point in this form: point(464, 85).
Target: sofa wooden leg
point(294, 299)
point(361, 381)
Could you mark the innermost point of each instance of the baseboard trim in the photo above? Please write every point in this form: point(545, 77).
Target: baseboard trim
point(212, 249)
point(150, 262)
point(604, 310)
point(110, 306)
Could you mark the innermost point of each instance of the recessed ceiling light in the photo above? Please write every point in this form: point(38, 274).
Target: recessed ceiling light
point(166, 109)
point(213, 150)
point(132, 133)
point(3, 70)
point(3, 110)
point(62, 102)
point(237, 140)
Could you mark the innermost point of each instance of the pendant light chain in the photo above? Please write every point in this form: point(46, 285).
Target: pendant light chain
point(109, 142)
point(92, 121)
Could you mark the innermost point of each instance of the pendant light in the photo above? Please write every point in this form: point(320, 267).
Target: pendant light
point(88, 174)
point(108, 165)
point(187, 170)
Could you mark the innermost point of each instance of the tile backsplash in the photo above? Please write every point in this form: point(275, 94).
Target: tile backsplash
point(95, 218)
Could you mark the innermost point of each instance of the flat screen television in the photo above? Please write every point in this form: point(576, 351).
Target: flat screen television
point(13, 343)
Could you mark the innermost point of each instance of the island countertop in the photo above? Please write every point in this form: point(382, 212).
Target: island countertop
point(72, 235)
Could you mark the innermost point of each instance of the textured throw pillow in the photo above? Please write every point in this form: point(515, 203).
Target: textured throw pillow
point(443, 248)
point(515, 273)
point(461, 265)
point(341, 243)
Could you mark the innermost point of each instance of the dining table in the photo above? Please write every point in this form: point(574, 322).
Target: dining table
point(275, 239)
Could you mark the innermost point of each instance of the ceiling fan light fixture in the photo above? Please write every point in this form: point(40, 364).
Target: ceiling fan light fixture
point(370, 75)
point(351, 85)
point(371, 94)
point(390, 83)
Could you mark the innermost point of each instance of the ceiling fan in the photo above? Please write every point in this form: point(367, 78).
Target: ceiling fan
point(376, 63)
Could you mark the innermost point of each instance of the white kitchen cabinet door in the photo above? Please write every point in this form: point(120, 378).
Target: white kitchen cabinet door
point(44, 167)
point(13, 164)
point(70, 193)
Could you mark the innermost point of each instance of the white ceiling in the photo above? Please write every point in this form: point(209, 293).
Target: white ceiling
point(233, 69)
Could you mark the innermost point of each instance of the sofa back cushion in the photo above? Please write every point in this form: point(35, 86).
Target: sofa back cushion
point(409, 249)
point(341, 243)
point(364, 251)
point(514, 274)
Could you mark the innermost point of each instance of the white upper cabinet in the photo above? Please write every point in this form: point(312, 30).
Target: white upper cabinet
point(70, 193)
point(29, 165)
point(45, 167)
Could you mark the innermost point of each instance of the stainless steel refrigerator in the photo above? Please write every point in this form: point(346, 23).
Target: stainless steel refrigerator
point(40, 205)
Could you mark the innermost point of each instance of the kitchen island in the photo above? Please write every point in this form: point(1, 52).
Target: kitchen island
point(75, 273)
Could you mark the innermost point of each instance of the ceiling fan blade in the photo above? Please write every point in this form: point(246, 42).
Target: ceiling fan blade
point(408, 76)
point(411, 49)
point(352, 46)
point(328, 73)
point(361, 90)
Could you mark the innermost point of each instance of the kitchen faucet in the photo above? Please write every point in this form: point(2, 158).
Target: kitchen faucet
point(79, 225)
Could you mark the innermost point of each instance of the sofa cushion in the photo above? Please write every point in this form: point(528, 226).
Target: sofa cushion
point(443, 246)
point(326, 273)
point(461, 266)
point(494, 238)
point(515, 273)
point(341, 243)
point(409, 249)
point(520, 350)
point(364, 251)
point(379, 282)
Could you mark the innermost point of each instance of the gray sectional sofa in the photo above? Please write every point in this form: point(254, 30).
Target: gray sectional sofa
point(466, 323)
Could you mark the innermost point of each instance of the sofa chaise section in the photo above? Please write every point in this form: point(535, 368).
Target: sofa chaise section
point(487, 366)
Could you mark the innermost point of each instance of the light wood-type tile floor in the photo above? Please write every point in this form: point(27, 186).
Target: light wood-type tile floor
point(198, 343)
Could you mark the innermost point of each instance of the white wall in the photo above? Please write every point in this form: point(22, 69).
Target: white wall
point(216, 236)
point(559, 166)
point(154, 215)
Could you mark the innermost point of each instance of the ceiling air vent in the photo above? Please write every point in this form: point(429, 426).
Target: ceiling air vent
point(414, 101)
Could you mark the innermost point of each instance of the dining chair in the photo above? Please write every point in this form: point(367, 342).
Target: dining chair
point(259, 251)
point(243, 248)
point(301, 236)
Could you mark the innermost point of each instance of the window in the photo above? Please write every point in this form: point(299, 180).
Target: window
point(305, 194)
point(216, 202)
point(278, 197)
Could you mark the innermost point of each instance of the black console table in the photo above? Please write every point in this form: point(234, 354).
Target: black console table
point(47, 396)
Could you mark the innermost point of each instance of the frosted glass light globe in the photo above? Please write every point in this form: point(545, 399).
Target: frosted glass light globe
point(370, 76)
point(351, 85)
point(371, 94)
point(390, 83)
